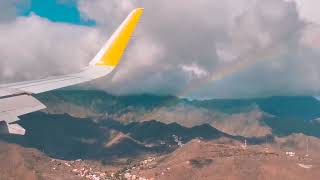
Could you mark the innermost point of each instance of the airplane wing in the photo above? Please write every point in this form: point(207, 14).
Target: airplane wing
point(16, 98)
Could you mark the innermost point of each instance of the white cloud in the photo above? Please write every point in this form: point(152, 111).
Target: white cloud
point(309, 10)
point(199, 48)
point(9, 9)
point(194, 71)
point(33, 47)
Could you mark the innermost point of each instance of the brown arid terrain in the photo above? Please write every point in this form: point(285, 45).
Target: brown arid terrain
point(25, 163)
point(93, 135)
point(213, 160)
point(198, 159)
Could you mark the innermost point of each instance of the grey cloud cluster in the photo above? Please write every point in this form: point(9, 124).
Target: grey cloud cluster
point(10, 8)
point(215, 48)
point(33, 47)
point(198, 48)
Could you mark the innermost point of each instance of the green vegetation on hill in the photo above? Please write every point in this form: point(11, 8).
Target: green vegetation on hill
point(285, 115)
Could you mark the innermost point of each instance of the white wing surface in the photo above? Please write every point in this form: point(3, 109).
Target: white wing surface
point(16, 98)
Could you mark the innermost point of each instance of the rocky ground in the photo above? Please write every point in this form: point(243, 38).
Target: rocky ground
point(198, 159)
point(93, 135)
point(215, 160)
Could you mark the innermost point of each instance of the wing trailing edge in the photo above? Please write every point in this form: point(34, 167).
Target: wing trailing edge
point(13, 107)
point(16, 98)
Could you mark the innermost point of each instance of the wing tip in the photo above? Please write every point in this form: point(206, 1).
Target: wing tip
point(139, 9)
point(112, 52)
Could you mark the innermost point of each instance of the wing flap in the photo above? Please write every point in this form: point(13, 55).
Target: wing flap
point(8, 117)
point(52, 83)
point(15, 106)
point(16, 129)
point(6, 128)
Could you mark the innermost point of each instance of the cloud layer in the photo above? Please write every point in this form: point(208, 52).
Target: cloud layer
point(200, 49)
point(33, 47)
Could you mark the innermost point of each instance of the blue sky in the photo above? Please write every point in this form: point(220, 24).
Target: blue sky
point(56, 11)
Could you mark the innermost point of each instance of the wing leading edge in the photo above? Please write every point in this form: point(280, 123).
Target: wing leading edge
point(16, 98)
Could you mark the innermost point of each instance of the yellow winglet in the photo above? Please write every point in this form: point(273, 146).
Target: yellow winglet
point(112, 52)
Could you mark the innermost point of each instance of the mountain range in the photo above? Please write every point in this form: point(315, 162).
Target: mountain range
point(115, 133)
